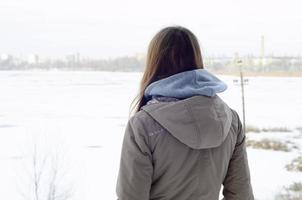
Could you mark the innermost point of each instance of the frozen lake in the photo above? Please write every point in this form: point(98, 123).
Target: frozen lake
point(84, 115)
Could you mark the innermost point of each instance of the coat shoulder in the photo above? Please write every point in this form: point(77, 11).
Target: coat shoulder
point(144, 122)
point(237, 126)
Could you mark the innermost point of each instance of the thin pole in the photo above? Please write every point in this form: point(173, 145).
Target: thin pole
point(242, 95)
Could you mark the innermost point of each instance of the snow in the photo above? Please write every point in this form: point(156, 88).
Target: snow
point(85, 113)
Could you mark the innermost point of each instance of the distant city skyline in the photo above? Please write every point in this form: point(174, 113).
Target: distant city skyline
point(116, 28)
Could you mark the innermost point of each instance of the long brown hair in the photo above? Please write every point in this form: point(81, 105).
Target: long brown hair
point(172, 50)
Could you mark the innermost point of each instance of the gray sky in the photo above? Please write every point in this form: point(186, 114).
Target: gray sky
point(99, 28)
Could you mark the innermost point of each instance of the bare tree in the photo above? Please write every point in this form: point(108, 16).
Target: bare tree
point(44, 175)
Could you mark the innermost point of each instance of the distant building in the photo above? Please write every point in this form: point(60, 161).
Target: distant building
point(140, 56)
point(33, 59)
point(6, 57)
point(71, 58)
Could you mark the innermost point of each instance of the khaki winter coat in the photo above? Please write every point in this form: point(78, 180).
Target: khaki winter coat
point(184, 150)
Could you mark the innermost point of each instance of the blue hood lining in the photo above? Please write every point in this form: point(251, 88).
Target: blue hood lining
point(186, 84)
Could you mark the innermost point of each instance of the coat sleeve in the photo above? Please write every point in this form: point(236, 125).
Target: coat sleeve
point(136, 169)
point(237, 183)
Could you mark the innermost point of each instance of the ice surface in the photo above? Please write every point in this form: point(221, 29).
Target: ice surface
point(85, 113)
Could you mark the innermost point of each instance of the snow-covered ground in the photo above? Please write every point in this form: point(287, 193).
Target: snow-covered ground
point(83, 115)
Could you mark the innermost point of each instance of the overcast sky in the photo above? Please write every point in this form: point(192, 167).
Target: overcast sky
point(99, 28)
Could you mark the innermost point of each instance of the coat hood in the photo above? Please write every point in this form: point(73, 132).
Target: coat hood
point(186, 84)
point(202, 119)
point(199, 122)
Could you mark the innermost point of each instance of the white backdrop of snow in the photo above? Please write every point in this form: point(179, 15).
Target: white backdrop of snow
point(78, 110)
